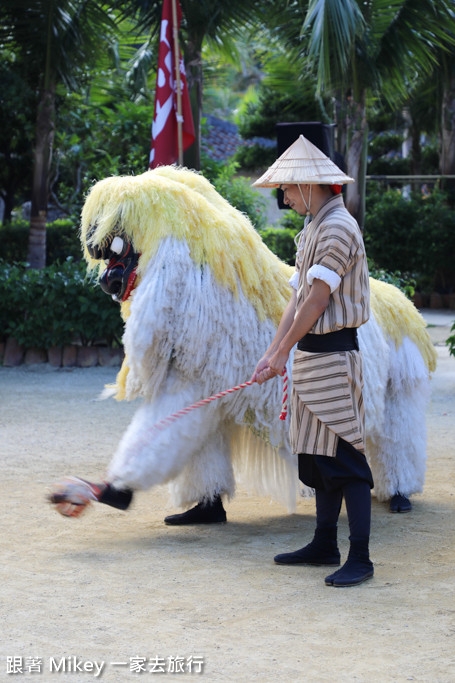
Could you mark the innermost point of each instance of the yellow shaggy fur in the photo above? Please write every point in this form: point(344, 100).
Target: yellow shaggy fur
point(398, 318)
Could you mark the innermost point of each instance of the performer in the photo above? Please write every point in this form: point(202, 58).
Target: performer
point(330, 301)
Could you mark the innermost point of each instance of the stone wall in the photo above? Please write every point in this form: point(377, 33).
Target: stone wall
point(13, 354)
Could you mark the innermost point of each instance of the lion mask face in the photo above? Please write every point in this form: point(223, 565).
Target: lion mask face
point(121, 260)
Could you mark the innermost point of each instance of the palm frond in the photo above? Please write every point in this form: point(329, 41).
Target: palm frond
point(60, 35)
point(330, 29)
point(419, 31)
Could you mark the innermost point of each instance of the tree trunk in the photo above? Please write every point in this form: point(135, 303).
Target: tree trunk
point(447, 160)
point(193, 67)
point(356, 159)
point(412, 149)
point(340, 119)
point(416, 157)
point(41, 170)
point(8, 198)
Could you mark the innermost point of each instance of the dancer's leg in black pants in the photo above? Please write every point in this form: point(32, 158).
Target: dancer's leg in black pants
point(358, 567)
point(323, 549)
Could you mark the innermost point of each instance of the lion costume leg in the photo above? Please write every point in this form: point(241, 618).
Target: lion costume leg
point(206, 478)
point(398, 451)
point(147, 456)
point(396, 390)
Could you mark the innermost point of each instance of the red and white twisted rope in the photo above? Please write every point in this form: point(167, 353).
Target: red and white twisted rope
point(284, 410)
point(180, 413)
point(166, 421)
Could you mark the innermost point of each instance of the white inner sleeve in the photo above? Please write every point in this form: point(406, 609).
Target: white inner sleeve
point(294, 281)
point(318, 272)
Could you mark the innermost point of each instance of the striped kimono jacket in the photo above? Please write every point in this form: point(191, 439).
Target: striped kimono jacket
point(327, 387)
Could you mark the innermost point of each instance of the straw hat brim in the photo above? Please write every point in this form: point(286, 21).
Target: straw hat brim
point(303, 163)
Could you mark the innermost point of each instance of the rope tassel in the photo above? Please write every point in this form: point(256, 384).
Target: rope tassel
point(284, 410)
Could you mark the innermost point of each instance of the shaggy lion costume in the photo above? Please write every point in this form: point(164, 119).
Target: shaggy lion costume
point(207, 298)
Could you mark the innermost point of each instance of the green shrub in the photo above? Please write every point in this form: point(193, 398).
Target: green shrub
point(293, 220)
point(62, 240)
point(210, 168)
point(451, 341)
point(384, 152)
point(389, 166)
point(403, 281)
point(251, 157)
point(56, 305)
point(415, 235)
point(281, 242)
point(240, 194)
point(14, 240)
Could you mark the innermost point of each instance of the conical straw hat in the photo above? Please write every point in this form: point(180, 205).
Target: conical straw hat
point(303, 163)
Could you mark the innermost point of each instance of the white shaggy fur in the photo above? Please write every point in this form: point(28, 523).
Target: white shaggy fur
point(187, 338)
point(396, 446)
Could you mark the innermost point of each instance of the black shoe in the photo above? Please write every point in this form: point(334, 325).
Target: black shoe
point(310, 557)
point(211, 512)
point(350, 574)
point(399, 503)
point(322, 550)
point(357, 568)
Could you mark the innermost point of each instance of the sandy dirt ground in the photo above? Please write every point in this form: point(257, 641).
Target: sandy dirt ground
point(122, 590)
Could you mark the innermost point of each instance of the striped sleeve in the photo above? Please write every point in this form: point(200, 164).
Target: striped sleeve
point(335, 248)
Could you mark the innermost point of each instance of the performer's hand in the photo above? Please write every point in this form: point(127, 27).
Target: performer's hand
point(277, 363)
point(270, 367)
point(260, 367)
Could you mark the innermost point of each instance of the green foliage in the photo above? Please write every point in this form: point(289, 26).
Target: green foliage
point(63, 241)
point(281, 242)
point(240, 194)
point(225, 80)
point(210, 168)
point(389, 165)
point(252, 157)
point(61, 236)
point(56, 39)
point(96, 142)
point(403, 281)
point(56, 305)
point(17, 122)
point(451, 341)
point(384, 155)
point(384, 143)
point(430, 158)
point(14, 240)
point(259, 117)
point(293, 220)
point(414, 235)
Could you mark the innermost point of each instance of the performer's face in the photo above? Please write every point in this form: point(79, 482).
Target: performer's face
point(119, 277)
point(293, 198)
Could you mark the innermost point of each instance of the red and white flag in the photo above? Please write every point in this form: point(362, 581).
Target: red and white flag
point(165, 120)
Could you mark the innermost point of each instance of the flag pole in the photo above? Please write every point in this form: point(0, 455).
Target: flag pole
point(177, 77)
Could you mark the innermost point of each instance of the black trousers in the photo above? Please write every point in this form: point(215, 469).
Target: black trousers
point(346, 475)
point(331, 473)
